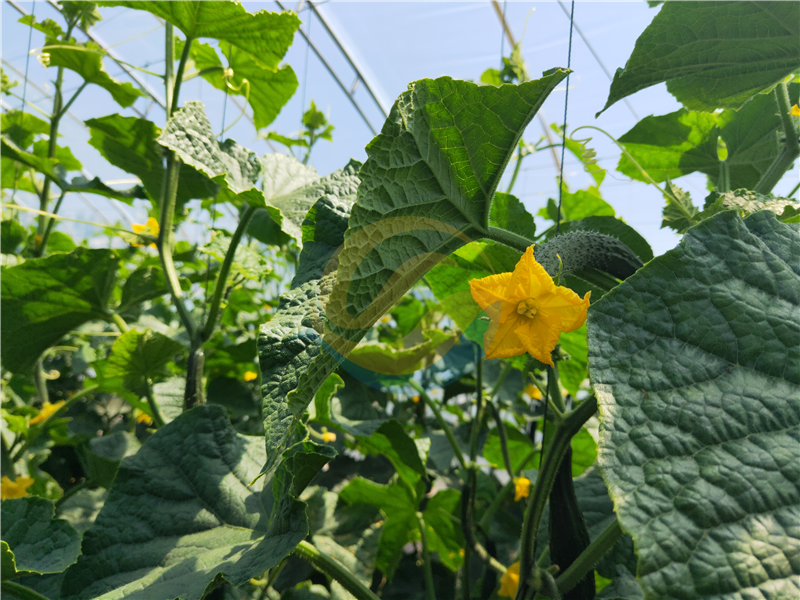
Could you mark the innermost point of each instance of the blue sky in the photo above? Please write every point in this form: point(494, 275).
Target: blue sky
point(393, 43)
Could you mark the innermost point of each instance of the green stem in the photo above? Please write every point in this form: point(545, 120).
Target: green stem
point(34, 432)
point(517, 168)
point(169, 65)
point(119, 322)
point(501, 432)
point(52, 145)
point(222, 278)
point(20, 591)
point(559, 444)
point(442, 423)
point(430, 590)
point(40, 381)
point(488, 514)
point(724, 181)
point(509, 238)
point(69, 103)
point(589, 557)
point(155, 409)
point(794, 191)
point(167, 214)
point(468, 523)
point(50, 223)
point(334, 569)
point(476, 422)
point(791, 145)
point(555, 388)
point(178, 79)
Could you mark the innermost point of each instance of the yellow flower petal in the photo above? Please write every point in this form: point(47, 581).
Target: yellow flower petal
point(796, 110)
point(250, 376)
point(47, 410)
point(328, 436)
point(150, 228)
point(509, 582)
point(532, 391)
point(15, 489)
point(522, 488)
point(415, 399)
point(528, 311)
point(144, 418)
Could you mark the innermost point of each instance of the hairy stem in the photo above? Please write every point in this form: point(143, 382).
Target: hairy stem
point(155, 409)
point(42, 245)
point(589, 557)
point(509, 238)
point(333, 569)
point(558, 446)
point(791, 145)
point(224, 271)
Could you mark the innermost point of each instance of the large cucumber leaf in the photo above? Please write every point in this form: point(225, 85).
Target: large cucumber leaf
point(425, 190)
point(33, 540)
point(696, 364)
point(264, 35)
point(182, 516)
point(290, 350)
point(45, 298)
point(713, 54)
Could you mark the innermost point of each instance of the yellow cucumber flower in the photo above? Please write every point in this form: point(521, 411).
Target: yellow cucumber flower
point(528, 311)
point(328, 436)
point(250, 376)
point(522, 488)
point(47, 410)
point(14, 489)
point(149, 228)
point(796, 109)
point(532, 392)
point(509, 582)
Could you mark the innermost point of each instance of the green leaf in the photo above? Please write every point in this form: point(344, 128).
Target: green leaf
point(86, 59)
point(386, 359)
point(696, 366)
point(401, 523)
point(713, 54)
point(442, 517)
point(408, 456)
point(21, 128)
point(519, 447)
point(81, 509)
point(683, 142)
point(680, 213)
point(138, 356)
point(105, 454)
point(358, 558)
point(584, 451)
point(182, 515)
point(324, 227)
point(63, 155)
point(130, 144)
point(49, 27)
point(248, 262)
point(293, 188)
point(33, 540)
point(267, 91)
point(234, 168)
point(264, 35)
point(509, 213)
point(425, 190)
point(12, 235)
point(746, 203)
point(573, 372)
point(671, 146)
point(145, 283)
point(43, 299)
point(292, 360)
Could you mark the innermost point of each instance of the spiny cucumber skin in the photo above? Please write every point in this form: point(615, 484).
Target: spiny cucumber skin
point(581, 250)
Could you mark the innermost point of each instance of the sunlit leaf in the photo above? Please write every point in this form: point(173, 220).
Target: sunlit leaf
point(713, 54)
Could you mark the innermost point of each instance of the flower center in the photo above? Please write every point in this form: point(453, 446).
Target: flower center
point(528, 308)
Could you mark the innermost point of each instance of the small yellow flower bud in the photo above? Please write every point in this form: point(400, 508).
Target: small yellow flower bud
point(328, 436)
